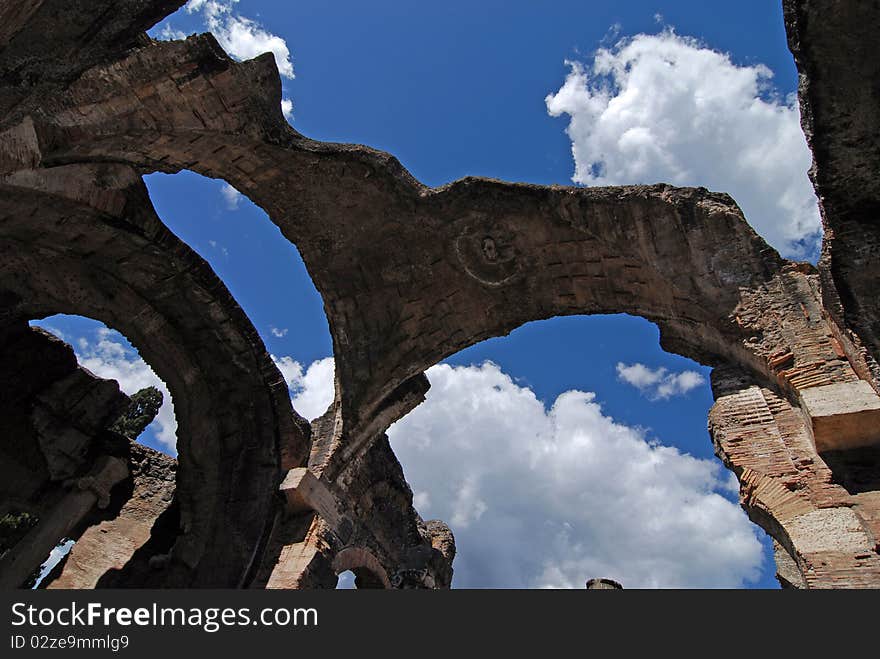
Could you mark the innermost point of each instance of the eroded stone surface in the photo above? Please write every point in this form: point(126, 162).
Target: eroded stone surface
point(126, 546)
point(834, 47)
point(57, 449)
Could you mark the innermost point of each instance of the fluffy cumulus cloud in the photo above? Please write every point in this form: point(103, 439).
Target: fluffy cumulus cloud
point(169, 33)
point(241, 37)
point(665, 108)
point(312, 388)
point(287, 108)
point(551, 498)
point(108, 356)
point(659, 383)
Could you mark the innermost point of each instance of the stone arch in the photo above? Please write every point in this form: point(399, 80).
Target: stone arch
point(552, 250)
point(89, 479)
point(368, 572)
point(526, 378)
point(108, 354)
point(236, 427)
point(61, 460)
point(411, 274)
point(444, 268)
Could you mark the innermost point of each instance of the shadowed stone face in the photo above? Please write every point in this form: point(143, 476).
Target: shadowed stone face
point(409, 275)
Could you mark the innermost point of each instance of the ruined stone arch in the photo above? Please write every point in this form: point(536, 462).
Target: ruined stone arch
point(410, 275)
point(368, 572)
point(236, 426)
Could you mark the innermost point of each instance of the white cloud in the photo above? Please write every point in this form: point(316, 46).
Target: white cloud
point(108, 358)
point(540, 498)
point(311, 390)
point(168, 33)
point(287, 108)
point(659, 383)
point(278, 333)
point(231, 196)
point(421, 500)
point(664, 108)
point(241, 37)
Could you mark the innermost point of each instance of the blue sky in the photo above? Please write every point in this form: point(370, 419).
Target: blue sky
point(585, 445)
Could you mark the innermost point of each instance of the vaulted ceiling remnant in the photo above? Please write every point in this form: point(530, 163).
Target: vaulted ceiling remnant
point(409, 275)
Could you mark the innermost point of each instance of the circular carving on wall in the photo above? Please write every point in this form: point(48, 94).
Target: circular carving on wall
point(488, 253)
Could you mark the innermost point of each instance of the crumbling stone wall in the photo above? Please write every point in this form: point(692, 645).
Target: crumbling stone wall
point(833, 44)
point(409, 275)
point(59, 456)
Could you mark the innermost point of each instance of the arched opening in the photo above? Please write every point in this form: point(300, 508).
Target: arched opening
point(263, 270)
point(127, 270)
point(346, 580)
point(605, 381)
point(357, 567)
point(131, 522)
point(576, 448)
point(109, 355)
point(359, 579)
point(74, 481)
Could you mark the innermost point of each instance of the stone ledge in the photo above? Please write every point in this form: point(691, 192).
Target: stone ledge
point(842, 416)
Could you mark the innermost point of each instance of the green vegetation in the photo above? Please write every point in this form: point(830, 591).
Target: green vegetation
point(13, 527)
point(144, 407)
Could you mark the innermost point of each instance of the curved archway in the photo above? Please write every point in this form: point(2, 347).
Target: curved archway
point(71, 462)
point(236, 426)
point(551, 467)
point(410, 274)
point(109, 537)
point(368, 572)
point(263, 271)
point(109, 355)
point(345, 580)
point(498, 254)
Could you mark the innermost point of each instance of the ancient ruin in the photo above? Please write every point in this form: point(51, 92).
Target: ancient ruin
point(409, 275)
